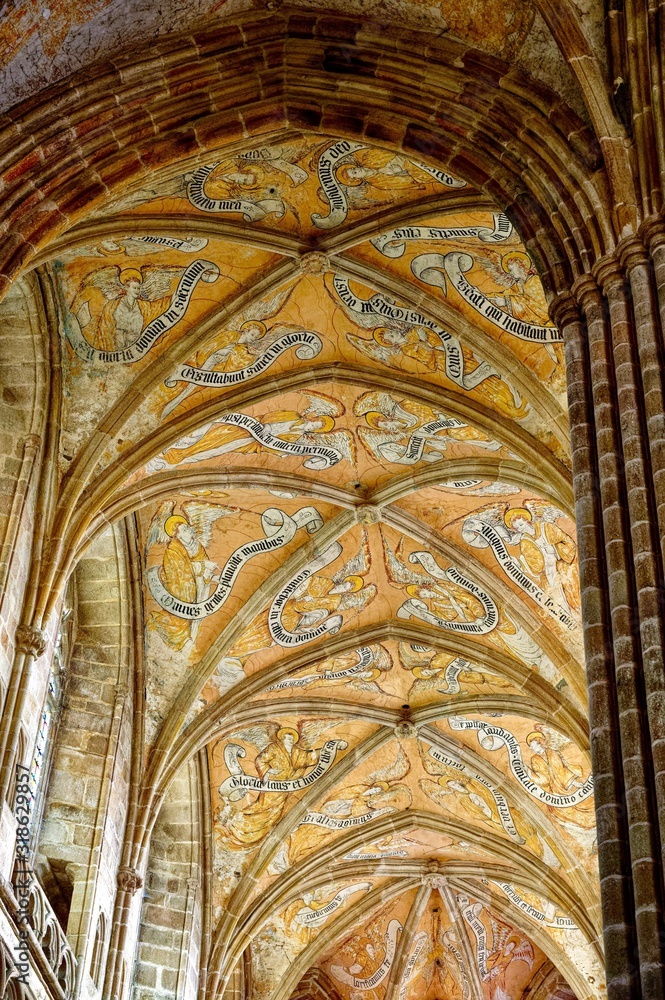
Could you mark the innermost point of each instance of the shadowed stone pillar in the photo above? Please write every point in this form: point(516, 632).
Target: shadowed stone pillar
point(614, 355)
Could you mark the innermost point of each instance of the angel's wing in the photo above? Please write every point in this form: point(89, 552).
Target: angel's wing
point(377, 352)
point(377, 402)
point(202, 516)
point(399, 573)
point(491, 514)
point(311, 731)
point(260, 735)
point(373, 439)
point(324, 405)
point(382, 658)
point(358, 564)
point(157, 535)
point(411, 656)
point(394, 771)
point(491, 265)
point(107, 279)
point(265, 308)
point(500, 934)
point(370, 317)
point(341, 441)
point(544, 511)
point(157, 281)
point(432, 766)
point(524, 953)
point(554, 739)
point(359, 599)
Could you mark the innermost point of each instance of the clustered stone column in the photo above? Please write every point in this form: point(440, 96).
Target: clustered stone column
point(613, 336)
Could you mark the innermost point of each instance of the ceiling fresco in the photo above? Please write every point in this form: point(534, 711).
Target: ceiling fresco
point(327, 399)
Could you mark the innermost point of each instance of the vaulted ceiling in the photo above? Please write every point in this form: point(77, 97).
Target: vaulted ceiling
point(319, 381)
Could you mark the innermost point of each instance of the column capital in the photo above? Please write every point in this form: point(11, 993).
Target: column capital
point(564, 310)
point(30, 640)
point(587, 291)
point(129, 880)
point(609, 271)
point(632, 252)
point(652, 232)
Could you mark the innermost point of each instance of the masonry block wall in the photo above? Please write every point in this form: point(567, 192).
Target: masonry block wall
point(170, 936)
point(85, 813)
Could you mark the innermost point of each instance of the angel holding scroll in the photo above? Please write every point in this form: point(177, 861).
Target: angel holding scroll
point(131, 298)
point(186, 572)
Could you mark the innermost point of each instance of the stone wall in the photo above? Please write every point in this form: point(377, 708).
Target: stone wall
point(85, 811)
point(170, 936)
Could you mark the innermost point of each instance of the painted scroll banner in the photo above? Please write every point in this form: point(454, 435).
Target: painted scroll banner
point(493, 737)
point(342, 975)
point(428, 268)
point(393, 244)
point(198, 270)
point(319, 457)
point(332, 189)
point(251, 211)
point(412, 452)
point(471, 913)
point(238, 783)
point(278, 527)
point(335, 823)
point(415, 608)
point(192, 244)
point(330, 626)
point(365, 660)
point(307, 345)
point(312, 918)
point(419, 942)
point(502, 806)
point(547, 919)
point(380, 307)
point(478, 531)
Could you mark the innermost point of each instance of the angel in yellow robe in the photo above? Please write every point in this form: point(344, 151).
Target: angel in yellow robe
point(281, 760)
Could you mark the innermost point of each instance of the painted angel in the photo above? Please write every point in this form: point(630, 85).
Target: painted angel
point(549, 766)
point(315, 600)
point(457, 792)
point(546, 553)
point(186, 572)
point(240, 345)
point(437, 673)
point(258, 177)
point(446, 600)
point(133, 298)
point(380, 792)
point(283, 753)
point(311, 426)
point(508, 947)
point(393, 340)
point(319, 596)
point(370, 175)
point(402, 431)
point(514, 272)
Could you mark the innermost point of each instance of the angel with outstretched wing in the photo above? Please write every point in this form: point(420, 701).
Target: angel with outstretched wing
point(133, 298)
point(456, 791)
point(550, 766)
point(186, 571)
point(242, 343)
point(349, 581)
point(507, 947)
point(316, 425)
point(285, 754)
